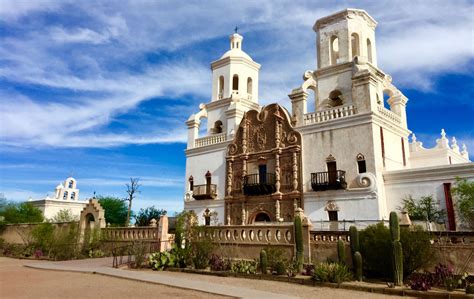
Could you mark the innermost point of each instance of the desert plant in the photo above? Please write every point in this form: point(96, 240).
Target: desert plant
point(263, 261)
point(354, 238)
point(332, 272)
point(357, 259)
point(279, 268)
point(308, 269)
point(341, 252)
point(275, 255)
point(299, 242)
point(417, 249)
point(244, 266)
point(64, 215)
point(470, 289)
point(397, 252)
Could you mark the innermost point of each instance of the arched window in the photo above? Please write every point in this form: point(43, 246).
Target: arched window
point(191, 183)
point(249, 86)
point(71, 184)
point(65, 195)
point(369, 50)
point(335, 98)
point(355, 44)
point(73, 195)
point(334, 48)
point(218, 127)
point(221, 87)
point(361, 163)
point(235, 83)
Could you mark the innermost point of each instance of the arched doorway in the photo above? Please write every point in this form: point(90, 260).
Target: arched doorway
point(262, 217)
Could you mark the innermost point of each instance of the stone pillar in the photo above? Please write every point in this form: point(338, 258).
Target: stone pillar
point(228, 210)
point(193, 131)
point(243, 214)
point(229, 178)
point(398, 103)
point(299, 105)
point(163, 234)
point(295, 171)
point(277, 172)
point(244, 134)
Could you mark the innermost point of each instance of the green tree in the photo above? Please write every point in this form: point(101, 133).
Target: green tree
point(21, 213)
point(464, 191)
point(424, 209)
point(144, 216)
point(64, 215)
point(115, 210)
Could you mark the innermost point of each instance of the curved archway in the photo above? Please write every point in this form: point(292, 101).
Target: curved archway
point(235, 83)
point(262, 217)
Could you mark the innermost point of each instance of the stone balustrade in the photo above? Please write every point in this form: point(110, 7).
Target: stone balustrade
point(328, 236)
point(389, 114)
point(130, 233)
point(251, 234)
point(209, 140)
point(326, 115)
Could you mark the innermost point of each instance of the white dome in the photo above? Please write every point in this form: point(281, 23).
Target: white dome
point(236, 53)
point(60, 186)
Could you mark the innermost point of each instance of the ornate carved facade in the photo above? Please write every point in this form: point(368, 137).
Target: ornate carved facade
point(263, 168)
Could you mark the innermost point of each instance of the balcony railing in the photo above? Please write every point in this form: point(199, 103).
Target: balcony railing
point(259, 184)
point(209, 140)
point(205, 191)
point(330, 114)
point(328, 180)
point(389, 114)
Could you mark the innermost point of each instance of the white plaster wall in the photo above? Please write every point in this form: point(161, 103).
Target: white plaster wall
point(241, 68)
point(51, 207)
point(214, 161)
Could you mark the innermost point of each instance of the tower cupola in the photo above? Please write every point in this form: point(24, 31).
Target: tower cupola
point(235, 74)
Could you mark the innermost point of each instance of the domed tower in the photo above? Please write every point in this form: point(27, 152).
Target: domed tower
point(235, 74)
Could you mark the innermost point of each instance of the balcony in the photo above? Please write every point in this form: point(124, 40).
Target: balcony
point(205, 191)
point(328, 180)
point(259, 184)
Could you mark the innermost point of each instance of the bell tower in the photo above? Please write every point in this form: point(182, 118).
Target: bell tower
point(235, 74)
point(345, 35)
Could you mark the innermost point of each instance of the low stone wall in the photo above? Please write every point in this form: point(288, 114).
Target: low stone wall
point(246, 242)
point(451, 248)
point(20, 233)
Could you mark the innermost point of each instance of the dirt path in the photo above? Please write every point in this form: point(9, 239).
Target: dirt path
point(17, 281)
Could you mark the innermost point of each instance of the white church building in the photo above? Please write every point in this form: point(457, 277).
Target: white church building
point(66, 197)
point(349, 159)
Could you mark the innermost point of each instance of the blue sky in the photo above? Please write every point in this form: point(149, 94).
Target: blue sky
point(101, 89)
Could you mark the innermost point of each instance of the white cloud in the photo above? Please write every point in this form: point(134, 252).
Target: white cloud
point(93, 60)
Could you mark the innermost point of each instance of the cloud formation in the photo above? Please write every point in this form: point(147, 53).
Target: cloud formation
point(70, 69)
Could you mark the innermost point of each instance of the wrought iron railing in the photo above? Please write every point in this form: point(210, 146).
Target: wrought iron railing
point(259, 184)
point(208, 191)
point(328, 180)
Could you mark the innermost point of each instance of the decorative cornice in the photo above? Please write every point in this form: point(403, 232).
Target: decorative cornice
point(227, 60)
point(434, 173)
point(208, 149)
point(345, 14)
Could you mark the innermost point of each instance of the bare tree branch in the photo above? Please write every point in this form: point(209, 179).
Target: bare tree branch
point(132, 191)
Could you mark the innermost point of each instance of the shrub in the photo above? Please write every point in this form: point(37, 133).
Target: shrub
point(279, 268)
point(464, 190)
point(219, 264)
point(275, 255)
point(64, 215)
point(308, 269)
point(424, 209)
point(332, 272)
point(244, 266)
point(21, 213)
point(417, 250)
point(420, 281)
point(162, 260)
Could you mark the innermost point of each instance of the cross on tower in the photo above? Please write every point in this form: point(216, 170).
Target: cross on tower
point(236, 29)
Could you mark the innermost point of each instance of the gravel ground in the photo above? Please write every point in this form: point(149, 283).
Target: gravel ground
point(301, 291)
point(17, 281)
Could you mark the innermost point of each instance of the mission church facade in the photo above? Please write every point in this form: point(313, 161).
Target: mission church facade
point(349, 159)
